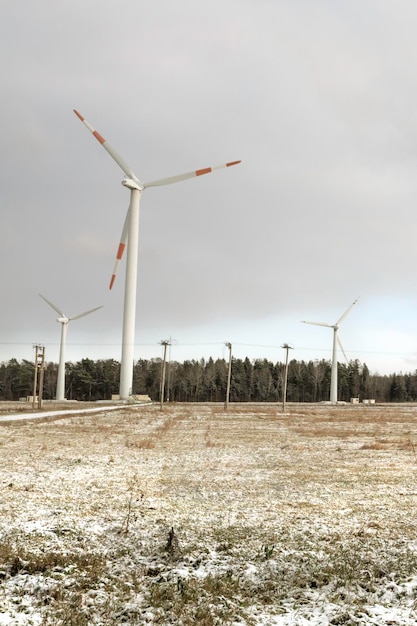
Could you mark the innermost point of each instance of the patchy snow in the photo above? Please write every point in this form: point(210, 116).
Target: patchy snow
point(196, 515)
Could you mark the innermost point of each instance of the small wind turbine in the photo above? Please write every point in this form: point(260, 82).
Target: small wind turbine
point(336, 342)
point(64, 321)
point(130, 235)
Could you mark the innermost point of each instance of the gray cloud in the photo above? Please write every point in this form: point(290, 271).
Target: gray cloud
point(317, 99)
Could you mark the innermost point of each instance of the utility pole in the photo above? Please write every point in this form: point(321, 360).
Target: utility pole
point(39, 367)
point(164, 343)
point(171, 342)
point(169, 369)
point(284, 389)
point(229, 374)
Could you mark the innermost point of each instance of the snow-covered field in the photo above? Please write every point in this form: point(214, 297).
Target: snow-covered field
point(194, 515)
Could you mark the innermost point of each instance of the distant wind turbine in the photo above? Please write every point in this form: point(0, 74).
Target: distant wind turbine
point(336, 342)
point(130, 236)
point(64, 321)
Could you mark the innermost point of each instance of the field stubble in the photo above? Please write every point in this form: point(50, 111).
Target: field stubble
point(197, 515)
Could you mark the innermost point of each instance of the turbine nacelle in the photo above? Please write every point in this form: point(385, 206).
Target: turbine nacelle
point(130, 183)
point(62, 320)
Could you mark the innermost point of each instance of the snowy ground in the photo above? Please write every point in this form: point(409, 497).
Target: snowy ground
point(194, 515)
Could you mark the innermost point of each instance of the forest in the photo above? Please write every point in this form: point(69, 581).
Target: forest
point(203, 380)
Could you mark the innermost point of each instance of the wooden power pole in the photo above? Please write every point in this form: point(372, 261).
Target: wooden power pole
point(284, 387)
point(229, 374)
point(164, 343)
point(38, 377)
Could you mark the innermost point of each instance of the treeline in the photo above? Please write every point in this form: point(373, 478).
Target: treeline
point(259, 380)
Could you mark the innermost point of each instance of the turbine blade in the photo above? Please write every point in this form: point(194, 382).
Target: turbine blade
point(342, 349)
point(340, 320)
point(125, 167)
point(121, 248)
point(76, 317)
point(55, 308)
point(179, 177)
point(318, 324)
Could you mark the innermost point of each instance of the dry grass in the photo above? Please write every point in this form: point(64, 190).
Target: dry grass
point(319, 498)
point(147, 443)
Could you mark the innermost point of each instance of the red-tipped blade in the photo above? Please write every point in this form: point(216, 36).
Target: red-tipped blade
point(125, 167)
point(120, 249)
point(179, 177)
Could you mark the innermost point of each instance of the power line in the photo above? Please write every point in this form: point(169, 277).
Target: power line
point(217, 343)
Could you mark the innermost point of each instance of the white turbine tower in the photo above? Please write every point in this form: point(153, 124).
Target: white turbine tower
point(130, 236)
point(336, 342)
point(64, 321)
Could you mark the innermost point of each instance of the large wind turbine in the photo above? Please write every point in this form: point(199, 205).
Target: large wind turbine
point(64, 321)
point(336, 342)
point(130, 236)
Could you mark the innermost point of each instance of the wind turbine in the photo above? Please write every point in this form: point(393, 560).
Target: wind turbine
point(130, 236)
point(336, 342)
point(64, 321)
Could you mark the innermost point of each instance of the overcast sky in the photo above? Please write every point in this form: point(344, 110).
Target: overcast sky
point(319, 101)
